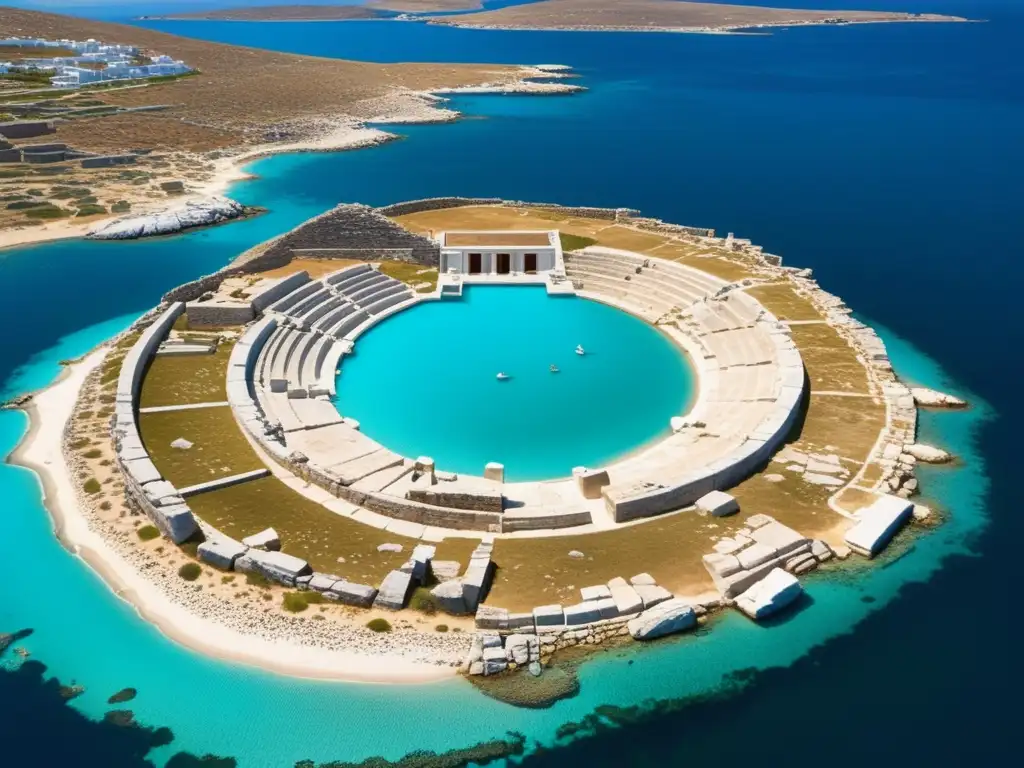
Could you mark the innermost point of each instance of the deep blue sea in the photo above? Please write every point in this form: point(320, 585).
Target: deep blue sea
point(887, 158)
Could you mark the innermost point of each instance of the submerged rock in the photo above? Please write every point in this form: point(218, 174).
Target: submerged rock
point(200, 213)
point(125, 694)
point(524, 689)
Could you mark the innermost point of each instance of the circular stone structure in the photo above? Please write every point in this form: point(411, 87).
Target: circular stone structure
point(424, 381)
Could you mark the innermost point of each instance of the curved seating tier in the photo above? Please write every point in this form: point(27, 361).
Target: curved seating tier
point(751, 379)
point(299, 356)
point(751, 388)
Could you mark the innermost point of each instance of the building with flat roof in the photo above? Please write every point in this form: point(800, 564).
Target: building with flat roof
point(499, 252)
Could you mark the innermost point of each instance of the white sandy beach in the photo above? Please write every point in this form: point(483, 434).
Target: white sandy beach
point(162, 601)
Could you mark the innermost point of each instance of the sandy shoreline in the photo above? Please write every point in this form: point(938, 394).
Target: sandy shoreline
point(41, 450)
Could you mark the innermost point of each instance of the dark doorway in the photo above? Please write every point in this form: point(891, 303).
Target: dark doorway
point(504, 263)
point(474, 264)
point(530, 263)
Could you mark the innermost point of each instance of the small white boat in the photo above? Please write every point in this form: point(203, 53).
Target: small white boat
point(580, 350)
point(553, 368)
point(503, 376)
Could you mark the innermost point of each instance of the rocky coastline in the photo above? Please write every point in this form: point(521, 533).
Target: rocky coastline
point(190, 215)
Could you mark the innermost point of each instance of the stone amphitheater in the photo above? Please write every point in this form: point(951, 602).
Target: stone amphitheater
point(292, 333)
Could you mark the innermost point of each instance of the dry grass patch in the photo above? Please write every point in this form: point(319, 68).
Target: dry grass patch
point(175, 380)
point(853, 499)
point(218, 450)
point(782, 301)
point(410, 273)
point(801, 505)
point(849, 424)
point(535, 571)
point(316, 268)
point(312, 532)
point(831, 363)
point(496, 217)
point(628, 239)
point(725, 269)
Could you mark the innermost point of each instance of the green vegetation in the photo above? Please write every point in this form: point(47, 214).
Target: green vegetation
point(297, 602)
point(22, 205)
point(47, 211)
point(121, 206)
point(148, 532)
point(190, 379)
point(12, 173)
point(574, 242)
point(91, 486)
point(254, 579)
point(95, 453)
point(378, 625)
point(91, 210)
point(219, 448)
point(312, 532)
point(190, 571)
point(423, 601)
point(441, 628)
point(411, 273)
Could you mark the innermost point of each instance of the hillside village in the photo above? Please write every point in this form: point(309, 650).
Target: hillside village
point(75, 63)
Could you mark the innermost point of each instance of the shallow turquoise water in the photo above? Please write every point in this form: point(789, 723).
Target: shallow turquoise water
point(424, 382)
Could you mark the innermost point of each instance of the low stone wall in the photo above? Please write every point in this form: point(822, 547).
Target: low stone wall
point(145, 488)
point(219, 313)
point(435, 204)
point(108, 161)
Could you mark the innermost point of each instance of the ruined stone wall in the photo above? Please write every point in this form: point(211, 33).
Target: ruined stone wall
point(436, 204)
point(219, 313)
point(356, 227)
point(364, 254)
point(193, 290)
point(657, 225)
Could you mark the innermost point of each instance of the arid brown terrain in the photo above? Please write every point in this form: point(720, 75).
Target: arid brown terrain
point(662, 15)
point(241, 95)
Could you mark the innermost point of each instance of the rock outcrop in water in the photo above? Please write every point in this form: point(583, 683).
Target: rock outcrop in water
point(200, 213)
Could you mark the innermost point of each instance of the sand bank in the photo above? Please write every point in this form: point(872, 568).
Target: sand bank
point(161, 602)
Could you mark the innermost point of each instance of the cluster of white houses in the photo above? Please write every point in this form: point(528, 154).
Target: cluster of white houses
point(89, 61)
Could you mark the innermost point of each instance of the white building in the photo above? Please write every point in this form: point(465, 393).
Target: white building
point(497, 253)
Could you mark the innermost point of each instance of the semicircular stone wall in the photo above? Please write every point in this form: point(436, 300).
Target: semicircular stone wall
point(751, 386)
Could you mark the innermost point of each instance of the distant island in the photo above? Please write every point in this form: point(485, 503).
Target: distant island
point(663, 16)
point(372, 9)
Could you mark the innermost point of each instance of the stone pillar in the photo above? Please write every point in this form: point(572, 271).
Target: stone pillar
point(590, 481)
point(494, 471)
point(425, 464)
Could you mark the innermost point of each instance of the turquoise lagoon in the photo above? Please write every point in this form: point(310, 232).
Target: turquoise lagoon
point(424, 382)
point(778, 137)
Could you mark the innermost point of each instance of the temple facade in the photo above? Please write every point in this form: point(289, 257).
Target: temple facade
point(499, 252)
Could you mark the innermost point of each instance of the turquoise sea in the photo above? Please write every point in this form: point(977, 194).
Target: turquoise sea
point(444, 399)
point(885, 157)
